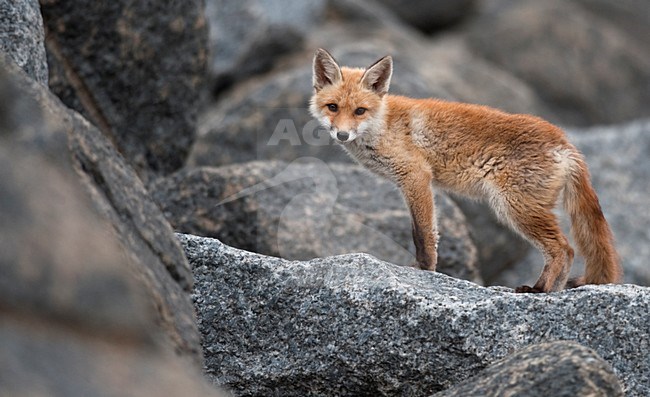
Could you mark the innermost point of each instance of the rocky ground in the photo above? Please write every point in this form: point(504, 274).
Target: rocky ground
point(124, 122)
point(270, 324)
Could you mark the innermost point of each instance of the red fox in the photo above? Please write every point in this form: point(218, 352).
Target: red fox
point(519, 164)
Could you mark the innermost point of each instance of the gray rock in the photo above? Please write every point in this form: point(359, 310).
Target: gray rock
point(586, 69)
point(630, 16)
point(134, 70)
point(353, 325)
point(59, 361)
point(57, 256)
point(21, 36)
point(546, 369)
point(248, 36)
point(618, 159)
point(448, 65)
point(308, 209)
point(77, 320)
point(368, 14)
point(155, 258)
point(429, 16)
point(269, 120)
point(529, 267)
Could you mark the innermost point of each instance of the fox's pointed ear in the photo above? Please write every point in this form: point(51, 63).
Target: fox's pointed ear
point(377, 76)
point(326, 70)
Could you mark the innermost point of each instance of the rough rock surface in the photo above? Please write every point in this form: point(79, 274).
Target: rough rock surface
point(76, 320)
point(546, 369)
point(155, 257)
point(133, 69)
point(308, 209)
point(21, 36)
point(586, 69)
point(448, 65)
point(353, 325)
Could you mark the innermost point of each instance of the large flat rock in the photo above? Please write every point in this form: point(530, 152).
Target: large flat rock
point(353, 325)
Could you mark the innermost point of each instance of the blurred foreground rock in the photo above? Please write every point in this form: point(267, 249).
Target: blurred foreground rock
point(307, 209)
point(546, 369)
point(79, 315)
point(353, 325)
point(154, 256)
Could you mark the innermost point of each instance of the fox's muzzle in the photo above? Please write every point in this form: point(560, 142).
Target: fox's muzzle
point(343, 136)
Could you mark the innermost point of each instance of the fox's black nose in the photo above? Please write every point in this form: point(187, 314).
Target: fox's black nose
point(342, 136)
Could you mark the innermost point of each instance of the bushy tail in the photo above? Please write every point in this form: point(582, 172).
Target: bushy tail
point(590, 229)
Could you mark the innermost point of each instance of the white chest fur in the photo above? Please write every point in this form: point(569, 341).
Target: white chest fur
point(367, 155)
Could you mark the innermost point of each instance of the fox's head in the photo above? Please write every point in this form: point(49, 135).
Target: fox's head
point(349, 101)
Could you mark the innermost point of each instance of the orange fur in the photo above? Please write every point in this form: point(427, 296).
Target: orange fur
point(519, 164)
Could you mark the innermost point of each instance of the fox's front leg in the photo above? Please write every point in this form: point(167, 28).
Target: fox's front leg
point(419, 198)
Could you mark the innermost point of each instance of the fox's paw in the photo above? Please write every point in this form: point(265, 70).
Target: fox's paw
point(424, 266)
point(524, 289)
point(575, 282)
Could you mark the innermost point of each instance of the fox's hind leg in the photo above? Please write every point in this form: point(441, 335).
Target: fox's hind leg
point(540, 226)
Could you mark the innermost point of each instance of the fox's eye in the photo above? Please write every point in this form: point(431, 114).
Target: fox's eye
point(332, 107)
point(360, 111)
